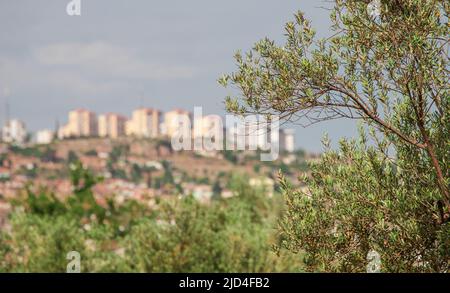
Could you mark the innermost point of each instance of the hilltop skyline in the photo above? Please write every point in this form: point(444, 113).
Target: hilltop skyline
point(116, 57)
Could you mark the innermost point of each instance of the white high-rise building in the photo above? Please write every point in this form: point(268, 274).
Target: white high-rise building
point(209, 132)
point(176, 120)
point(14, 132)
point(251, 134)
point(111, 125)
point(44, 136)
point(82, 123)
point(287, 140)
point(144, 122)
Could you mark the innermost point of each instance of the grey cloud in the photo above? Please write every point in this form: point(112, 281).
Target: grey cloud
point(20, 76)
point(109, 60)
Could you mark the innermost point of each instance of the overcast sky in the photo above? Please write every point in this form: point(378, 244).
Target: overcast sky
point(120, 54)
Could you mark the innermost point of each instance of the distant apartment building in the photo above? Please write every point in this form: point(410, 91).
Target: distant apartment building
point(111, 125)
point(249, 134)
point(176, 120)
point(144, 122)
point(14, 132)
point(287, 140)
point(82, 123)
point(209, 127)
point(44, 136)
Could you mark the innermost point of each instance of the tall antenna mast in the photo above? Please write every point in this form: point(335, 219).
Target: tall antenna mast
point(141, 100)
point(6, 92)
point(56, 125)
point(7, 110)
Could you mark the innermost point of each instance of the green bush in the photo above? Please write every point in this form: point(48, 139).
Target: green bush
point(177, 235)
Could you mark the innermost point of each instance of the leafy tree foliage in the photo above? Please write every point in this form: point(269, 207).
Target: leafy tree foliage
point(388, 191)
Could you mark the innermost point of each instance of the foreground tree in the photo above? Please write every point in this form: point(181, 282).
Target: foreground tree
point(389, 68)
